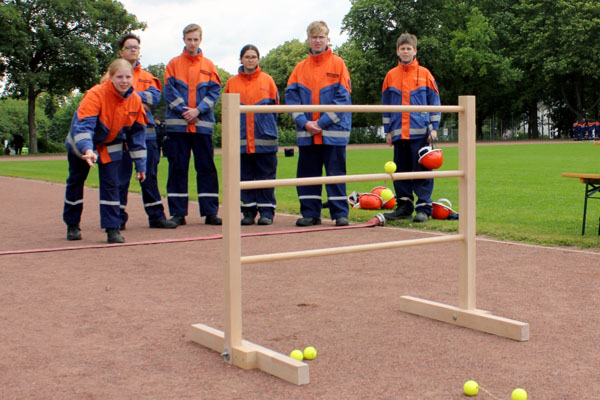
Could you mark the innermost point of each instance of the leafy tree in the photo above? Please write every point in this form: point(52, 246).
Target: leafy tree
point(224, 75)
point(557, 46)
point(457, 42)
point(279, 63)
point(13, 119)
point(61, 122)
point(55, 46)
point(478, 65)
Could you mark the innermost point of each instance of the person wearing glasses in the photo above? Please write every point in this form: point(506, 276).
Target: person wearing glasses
point(192, 88)
point(322, 78)
point(148, 88)
point(109, 115)
point(258, 159)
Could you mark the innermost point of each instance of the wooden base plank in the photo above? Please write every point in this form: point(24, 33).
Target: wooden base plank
point(473, 319)
point(251, 356)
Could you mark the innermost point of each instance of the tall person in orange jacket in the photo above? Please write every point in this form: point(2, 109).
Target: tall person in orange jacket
point(258, 159)
point(109, 115)
point(148, 88)
point(410, 84)
point(322, 78)
point(192, 88)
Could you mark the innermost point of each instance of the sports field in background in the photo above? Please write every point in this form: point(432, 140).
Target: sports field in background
point(521, 194)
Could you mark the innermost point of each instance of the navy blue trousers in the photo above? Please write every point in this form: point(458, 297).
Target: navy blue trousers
point(150, 194)
point(406, 157)
point(255, 167)
point(108, 175)
point(178, 148)
point(78, 172)
point(311, 160)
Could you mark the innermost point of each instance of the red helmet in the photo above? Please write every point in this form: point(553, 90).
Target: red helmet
point(431, 158)
point(441, 209)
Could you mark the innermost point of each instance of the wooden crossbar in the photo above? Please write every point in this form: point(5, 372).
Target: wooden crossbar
point(320, 180)
point(247, 355)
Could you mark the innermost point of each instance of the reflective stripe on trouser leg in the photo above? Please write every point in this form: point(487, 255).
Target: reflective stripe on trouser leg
point(334, 159)
point(125, 171)
point(78, 172)
point(150, 194)
point(422, 188)
point(109, 195)
point(310, 164)
point(206, 174)
point(259, 166)
point(178, 152)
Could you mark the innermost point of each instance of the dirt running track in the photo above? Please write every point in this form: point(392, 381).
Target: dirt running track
point(110, 323)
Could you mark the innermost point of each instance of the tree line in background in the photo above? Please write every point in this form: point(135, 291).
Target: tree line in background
point(514, 55)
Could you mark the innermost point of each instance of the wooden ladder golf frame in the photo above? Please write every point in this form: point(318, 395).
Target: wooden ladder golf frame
point(248, 355)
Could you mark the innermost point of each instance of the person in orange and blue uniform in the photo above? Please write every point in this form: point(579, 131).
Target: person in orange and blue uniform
point(410, 84)
point(192, 88)
point(258, 159)
point(322, 78)
point(148, 88)
point(109, 115)
point(575, 129)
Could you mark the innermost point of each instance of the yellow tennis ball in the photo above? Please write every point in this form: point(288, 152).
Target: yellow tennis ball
point(297, 355)
point(310, 353)
point(471, 388)
point(518, 394)
point(386, 194)
point(390, 167)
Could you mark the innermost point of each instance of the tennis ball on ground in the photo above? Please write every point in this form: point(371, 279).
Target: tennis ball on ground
point(297, 355)
point(518, 394)
point(390, 167)
point(386, 194)
point(471, 388)
point(310, 353)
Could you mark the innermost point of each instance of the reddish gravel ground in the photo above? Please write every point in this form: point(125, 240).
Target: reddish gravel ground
point(110, 322)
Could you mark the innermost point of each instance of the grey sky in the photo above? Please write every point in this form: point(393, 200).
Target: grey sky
point(228, 25)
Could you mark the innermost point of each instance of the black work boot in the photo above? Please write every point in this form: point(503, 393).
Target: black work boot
point(404, 210)
point(249, 216)
point(73, 232)
point(177, 220)
point(113, 235)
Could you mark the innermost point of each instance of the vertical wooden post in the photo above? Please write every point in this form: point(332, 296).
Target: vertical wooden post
point(466, 194)
point(231, 223)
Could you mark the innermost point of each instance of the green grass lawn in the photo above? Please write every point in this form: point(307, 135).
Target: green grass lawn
point(521, 194)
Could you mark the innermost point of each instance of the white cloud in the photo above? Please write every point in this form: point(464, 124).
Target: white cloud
point(230, 24)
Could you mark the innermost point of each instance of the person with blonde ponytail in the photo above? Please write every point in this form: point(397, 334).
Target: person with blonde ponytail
point(109, 115)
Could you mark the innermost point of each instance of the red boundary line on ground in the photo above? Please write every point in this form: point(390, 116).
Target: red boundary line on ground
point(376, 221)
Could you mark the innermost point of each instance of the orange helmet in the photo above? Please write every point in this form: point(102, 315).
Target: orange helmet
point(441, 209)
point(431, 158)
point(370, 201)
point(390, 204)
point(377, 190)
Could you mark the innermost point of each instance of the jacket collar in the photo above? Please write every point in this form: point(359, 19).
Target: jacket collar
point(321, 57)
point(411, 66)
point(190, 57)
point(251, 76)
